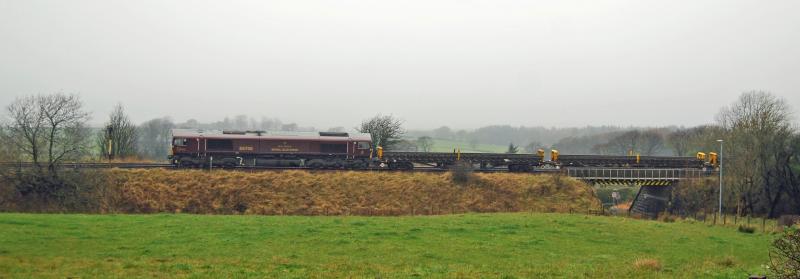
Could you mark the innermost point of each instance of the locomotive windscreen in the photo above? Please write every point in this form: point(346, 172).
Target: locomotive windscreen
point(333, 148)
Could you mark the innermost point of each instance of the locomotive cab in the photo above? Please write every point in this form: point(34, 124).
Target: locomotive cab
point(178, 146)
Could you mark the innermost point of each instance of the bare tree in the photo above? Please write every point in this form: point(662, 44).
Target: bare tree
point(512, 149)
point(704, 138)
point(7, 152)
point(118, 138)
point(47, 129)
point(154, 138)
point(240, 122)
point(270, 123)
point(533, 146)
point(425, 143)
point(621, 144)
point(679, 142)
point(25, 130)
point(386, 130)
point(603, 149)
point(289, 127)
point(650, 142)
point(760, 135)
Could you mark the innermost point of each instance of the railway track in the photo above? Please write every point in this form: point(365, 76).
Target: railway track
point(101, 165)
point(92, 165)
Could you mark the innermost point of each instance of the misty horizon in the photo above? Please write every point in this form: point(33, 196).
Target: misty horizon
point(447, 63)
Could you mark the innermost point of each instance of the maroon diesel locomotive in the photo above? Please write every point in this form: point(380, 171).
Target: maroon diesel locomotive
point(198, 148)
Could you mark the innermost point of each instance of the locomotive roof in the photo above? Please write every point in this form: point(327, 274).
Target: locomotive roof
point(276, 135)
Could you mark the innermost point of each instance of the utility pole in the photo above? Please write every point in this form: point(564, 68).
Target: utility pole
point(720, 177)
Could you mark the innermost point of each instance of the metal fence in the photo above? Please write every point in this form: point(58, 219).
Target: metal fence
point(628, 173)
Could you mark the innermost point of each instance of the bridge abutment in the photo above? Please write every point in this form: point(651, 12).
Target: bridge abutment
point(650, 201)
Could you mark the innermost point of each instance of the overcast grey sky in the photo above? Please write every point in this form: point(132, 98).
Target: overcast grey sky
point(459, 63)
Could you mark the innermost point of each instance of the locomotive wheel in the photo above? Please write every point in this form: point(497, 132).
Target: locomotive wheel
point(357, 165)
point(185, 164)
point(316, 164)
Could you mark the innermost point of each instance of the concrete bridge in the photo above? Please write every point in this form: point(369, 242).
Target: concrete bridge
point(655, 190)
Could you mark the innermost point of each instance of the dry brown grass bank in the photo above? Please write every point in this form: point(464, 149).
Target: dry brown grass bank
point(338, 193)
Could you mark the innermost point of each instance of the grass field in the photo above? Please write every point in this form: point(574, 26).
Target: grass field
point(508, 245)
point(444, 145)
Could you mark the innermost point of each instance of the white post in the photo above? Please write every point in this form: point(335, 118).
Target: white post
point(720, 177)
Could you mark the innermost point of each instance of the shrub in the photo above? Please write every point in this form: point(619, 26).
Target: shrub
point(461, 173)
point(785, 255)
point(45, 190)
point(747, 228)
point(789, 220)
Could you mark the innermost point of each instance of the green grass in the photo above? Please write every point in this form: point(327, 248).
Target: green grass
point(443, 145)
point(520, 245)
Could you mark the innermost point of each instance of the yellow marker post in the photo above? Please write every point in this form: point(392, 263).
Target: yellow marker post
point(380, 152)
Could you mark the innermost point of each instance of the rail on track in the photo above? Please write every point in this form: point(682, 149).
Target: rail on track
point(584, 173)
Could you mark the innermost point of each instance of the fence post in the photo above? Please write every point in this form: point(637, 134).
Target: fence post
point(715, 220)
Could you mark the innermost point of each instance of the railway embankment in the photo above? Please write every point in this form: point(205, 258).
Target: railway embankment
point(298, 192)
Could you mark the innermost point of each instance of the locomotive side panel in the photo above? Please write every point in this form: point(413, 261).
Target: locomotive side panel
point(246, 147)
point(286, 146)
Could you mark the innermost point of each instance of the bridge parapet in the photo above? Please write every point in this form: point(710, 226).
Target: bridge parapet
point(641, 176)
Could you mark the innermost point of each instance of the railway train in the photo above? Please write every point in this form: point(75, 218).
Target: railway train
point(333, 150)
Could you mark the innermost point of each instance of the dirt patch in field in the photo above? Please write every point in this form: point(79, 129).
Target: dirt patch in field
point(339, 193)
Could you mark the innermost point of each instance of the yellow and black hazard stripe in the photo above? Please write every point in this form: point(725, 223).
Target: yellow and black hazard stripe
point(626, 182)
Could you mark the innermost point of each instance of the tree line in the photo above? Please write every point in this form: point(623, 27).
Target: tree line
point(760, 139)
